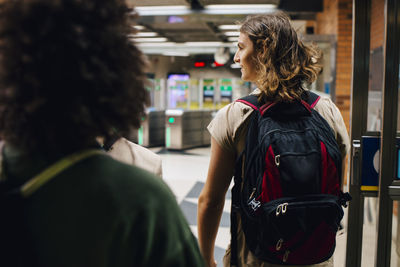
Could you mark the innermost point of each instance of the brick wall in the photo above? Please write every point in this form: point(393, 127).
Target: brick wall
point(377, 23)
point(327, 20)
point(337, 19)
point(344, 58)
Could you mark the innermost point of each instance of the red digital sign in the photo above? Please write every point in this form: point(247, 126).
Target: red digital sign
point(199, 64)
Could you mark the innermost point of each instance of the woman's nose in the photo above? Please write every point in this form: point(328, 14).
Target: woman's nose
point(236, 58)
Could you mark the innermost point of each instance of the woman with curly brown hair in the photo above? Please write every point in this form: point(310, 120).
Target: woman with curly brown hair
point(70, 74)
point(270, 55)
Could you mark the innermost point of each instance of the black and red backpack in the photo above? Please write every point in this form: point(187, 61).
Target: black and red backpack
point(288, 184)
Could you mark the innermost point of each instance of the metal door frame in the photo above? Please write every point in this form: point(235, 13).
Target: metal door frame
point(388, 153)
point(359, 106)
point(389, 188)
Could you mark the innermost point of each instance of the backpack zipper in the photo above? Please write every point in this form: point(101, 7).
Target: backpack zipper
point(267, 134)
point(278, 157)
point(281, 209)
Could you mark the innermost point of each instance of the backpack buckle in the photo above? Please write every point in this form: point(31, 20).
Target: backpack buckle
point(254, 204)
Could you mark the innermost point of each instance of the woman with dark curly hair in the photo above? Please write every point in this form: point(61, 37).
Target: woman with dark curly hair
point(270, 55)
point(70, 74)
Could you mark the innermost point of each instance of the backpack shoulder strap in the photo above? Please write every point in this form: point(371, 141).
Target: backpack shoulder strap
point(312, 99)
point(251, 101)
point(45, 176)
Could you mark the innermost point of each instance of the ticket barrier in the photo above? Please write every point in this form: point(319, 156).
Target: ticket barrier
point(152, 130)
point(186, 128)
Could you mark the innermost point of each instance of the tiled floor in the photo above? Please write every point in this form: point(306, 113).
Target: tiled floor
point(186, 171)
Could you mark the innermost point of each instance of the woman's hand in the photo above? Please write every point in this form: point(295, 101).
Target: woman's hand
point(213, 263)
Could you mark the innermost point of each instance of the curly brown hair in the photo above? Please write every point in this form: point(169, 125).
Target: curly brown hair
point(283, 62)
point(68, 73)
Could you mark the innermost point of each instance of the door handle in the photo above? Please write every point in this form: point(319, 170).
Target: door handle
point(355, 177)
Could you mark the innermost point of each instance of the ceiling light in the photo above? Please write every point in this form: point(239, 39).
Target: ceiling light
point(138, 27)
point(203, 43)
point(162, 10)
point(145, 34)
point(233, 39)
point(148, 44)
point(229, 27)
point(246, 6)
point(175, 54)
point(238, 9)
point(150, 40)
point(232, 33)
point(209, 9)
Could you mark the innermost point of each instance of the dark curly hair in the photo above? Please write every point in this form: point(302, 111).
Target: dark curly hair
point(284, 63)
point(68, 73)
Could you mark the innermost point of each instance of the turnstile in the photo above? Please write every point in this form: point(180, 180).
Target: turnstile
point(152, 129)
point(186, 128)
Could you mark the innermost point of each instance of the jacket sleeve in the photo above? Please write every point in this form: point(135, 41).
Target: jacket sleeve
point(332, 115)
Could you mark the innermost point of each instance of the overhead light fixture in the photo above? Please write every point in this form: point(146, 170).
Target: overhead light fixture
point(155, 44)
point(203, 43)
point(145, 34)
point(139, 27)
point(239, 9)
point(245, 6)
point(229, 27)
point(232, 33)
point(175, 54)
point(162, 10)
point(233, 39)
point(192, 48)
point(147, 42)
point(209, 9)
point(150, 40)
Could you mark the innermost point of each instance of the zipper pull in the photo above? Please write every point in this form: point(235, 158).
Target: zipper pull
point(252, 193)
point(279, 244)
point(278, 210)
point(284, 207)
point(277, 160)
point(286, 256)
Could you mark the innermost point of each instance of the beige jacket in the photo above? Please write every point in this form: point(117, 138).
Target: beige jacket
point(229, 129)
point(131, 153)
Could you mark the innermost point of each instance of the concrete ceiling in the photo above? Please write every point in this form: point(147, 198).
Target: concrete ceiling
point(196, 25)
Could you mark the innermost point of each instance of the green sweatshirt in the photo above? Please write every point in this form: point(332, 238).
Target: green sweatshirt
point(101, 212)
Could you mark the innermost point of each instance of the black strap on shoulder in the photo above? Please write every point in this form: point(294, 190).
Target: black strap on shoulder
point(234, 228)
point(235, 210)
point(312, 99)
point(252, 100)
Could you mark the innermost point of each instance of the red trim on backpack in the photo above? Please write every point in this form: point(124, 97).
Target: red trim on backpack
point(271, 186)
point(265, 107)
point(308, 107)
point(315, 102)
point(247, 103)
point(330, 183)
